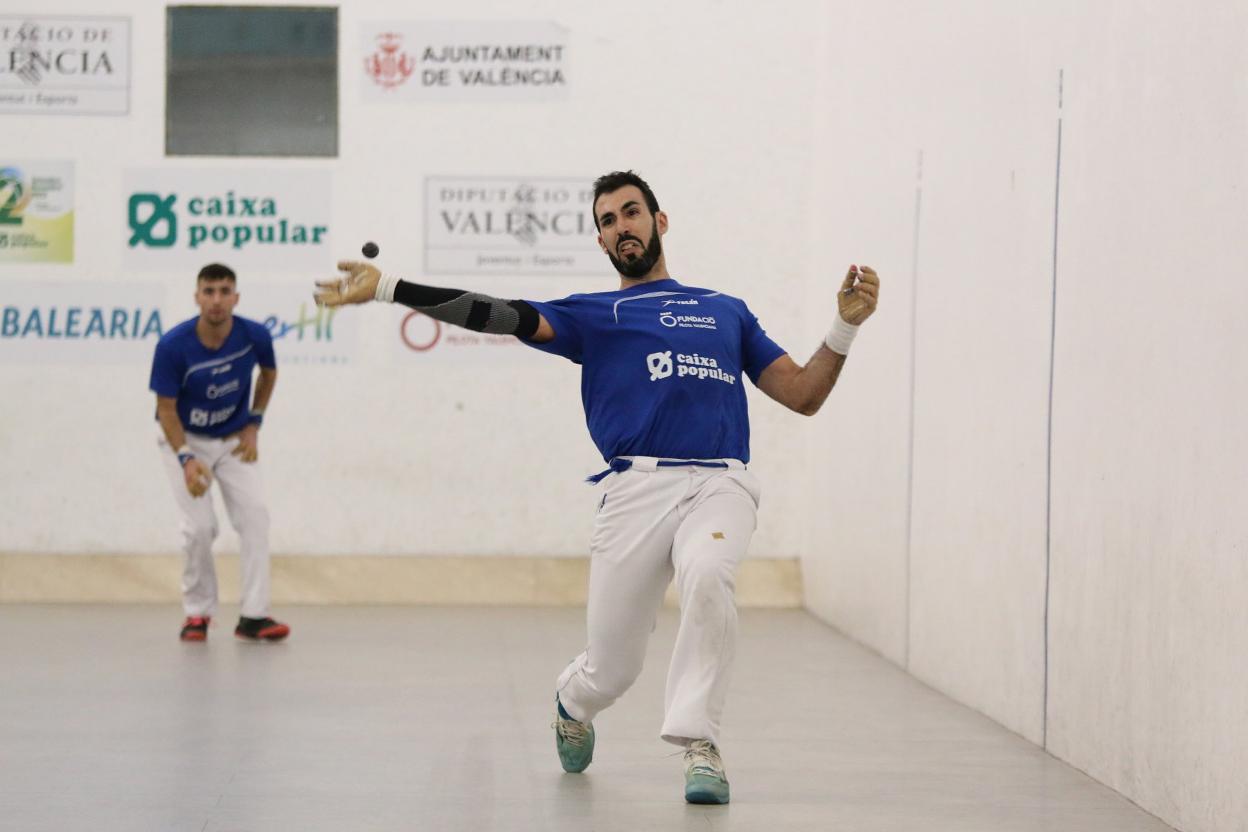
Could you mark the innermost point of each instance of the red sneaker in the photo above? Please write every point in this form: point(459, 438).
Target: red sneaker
point(257, 629)
point(195, 628)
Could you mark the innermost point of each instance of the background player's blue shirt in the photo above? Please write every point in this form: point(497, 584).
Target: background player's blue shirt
point(662, 368)
point(213, 387)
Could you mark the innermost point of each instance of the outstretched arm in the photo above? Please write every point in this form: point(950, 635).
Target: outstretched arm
point(362, 282)
point(804, 389)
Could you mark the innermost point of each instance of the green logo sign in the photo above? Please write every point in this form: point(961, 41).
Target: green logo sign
point(13, 196)
point(147, 211)
point(234, 220)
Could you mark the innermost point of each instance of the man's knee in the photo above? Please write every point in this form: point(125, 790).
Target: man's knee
point(611, 679)
point(710, 578)
point(252, 519)
point(199, 534)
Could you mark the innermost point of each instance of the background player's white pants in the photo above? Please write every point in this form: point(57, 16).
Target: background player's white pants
point(243, 491)
point(695, 524)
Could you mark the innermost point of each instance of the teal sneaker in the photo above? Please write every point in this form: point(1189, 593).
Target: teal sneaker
point(573, 740)
point(704, 774)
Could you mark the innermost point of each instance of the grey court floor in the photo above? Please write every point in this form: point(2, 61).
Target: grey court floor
point(420, 718)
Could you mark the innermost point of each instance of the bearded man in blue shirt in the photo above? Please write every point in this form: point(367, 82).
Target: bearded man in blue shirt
point(662, 371)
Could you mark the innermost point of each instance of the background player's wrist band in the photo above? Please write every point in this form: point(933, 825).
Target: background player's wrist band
point(255, 417)
point(185, 455)
point(385, 288)
point(840, 336)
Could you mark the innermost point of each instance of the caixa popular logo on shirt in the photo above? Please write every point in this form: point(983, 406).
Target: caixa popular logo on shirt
point(201, 418)
point(661, 366)
point(672, 320)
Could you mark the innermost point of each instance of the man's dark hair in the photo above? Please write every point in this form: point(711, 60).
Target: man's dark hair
point(216, 271)
point(617, 179)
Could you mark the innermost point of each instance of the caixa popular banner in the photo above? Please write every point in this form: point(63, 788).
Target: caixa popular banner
point(178, 219)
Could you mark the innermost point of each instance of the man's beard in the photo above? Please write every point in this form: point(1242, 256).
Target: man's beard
point(642, 263)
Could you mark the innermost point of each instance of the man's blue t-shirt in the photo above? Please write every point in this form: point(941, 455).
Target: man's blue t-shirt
point(662, 368)
point(213, 387)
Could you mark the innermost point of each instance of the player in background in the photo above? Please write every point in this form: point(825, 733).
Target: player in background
point(210, 426)
point(662, 371)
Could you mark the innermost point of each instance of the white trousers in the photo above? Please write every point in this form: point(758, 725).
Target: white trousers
point(243, 492)
point(655, 523)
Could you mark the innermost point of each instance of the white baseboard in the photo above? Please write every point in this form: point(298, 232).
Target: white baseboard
point(488, 581)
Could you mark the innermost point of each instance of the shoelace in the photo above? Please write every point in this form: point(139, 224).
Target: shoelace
point(702, 757)
point(572, 732)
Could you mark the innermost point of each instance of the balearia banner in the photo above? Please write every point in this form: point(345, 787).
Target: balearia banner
point(80, 321)
point(102, 321)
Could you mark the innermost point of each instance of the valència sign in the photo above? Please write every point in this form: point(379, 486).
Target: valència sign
point(64, 65)
point(510, 225)
point(277, 220)
point(464, 61)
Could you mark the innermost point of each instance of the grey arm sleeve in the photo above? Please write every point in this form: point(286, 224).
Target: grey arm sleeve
point(480, 313)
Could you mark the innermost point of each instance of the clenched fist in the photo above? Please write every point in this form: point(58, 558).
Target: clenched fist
point(197, 476)
point(859, 295)
point(248, 444)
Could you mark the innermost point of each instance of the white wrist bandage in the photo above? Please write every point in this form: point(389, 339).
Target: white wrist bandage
point(840, 336)
point(385, 288)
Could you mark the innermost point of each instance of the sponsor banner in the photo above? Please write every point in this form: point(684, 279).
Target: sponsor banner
point(510, 225)
point(464, 61)
point(36, 212)
point(65, 65)
point(80, 322)
point(178, 219)
point(422, 339)
point(100, 322)
point(303, 333)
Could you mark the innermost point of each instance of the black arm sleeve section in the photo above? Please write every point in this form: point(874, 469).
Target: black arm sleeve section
point(471, 310)
point(530, 319)
point(416, 296)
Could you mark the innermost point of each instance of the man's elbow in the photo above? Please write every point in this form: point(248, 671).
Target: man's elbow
point(805, 405)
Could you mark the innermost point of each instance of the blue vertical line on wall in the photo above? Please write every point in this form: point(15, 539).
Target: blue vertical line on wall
point(914, 311)
point(1048, 465)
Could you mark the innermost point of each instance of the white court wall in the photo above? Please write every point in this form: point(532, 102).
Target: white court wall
point(951, 188)
point(939, 556)
point(387, 454)
point(1148, 641)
